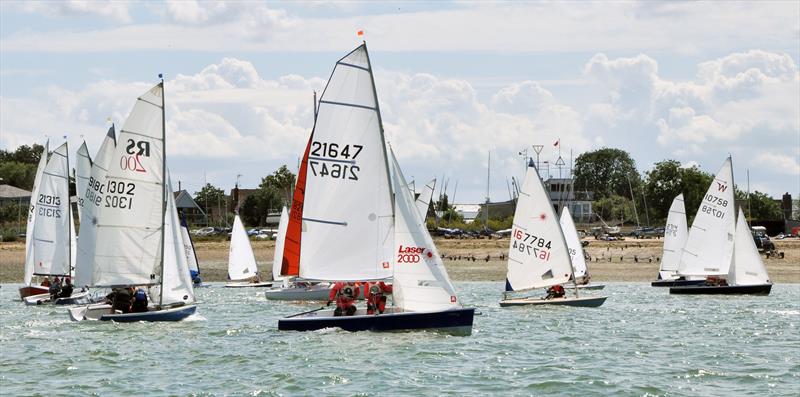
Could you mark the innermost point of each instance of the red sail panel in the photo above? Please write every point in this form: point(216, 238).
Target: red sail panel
point(290, 266)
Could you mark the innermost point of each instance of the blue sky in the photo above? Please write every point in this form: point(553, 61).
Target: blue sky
point(685, 81)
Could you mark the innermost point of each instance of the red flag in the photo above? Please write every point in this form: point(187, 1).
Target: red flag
point(360, 33)
point(556, 144)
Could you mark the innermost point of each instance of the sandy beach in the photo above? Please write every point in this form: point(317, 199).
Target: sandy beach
point(627, 260)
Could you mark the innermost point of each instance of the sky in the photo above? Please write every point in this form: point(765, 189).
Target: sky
point(457, 81)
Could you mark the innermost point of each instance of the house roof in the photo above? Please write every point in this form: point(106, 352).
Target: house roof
point(184, 200)
point(13, 192)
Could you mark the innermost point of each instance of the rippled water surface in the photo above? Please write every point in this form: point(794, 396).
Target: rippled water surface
point(641, 342)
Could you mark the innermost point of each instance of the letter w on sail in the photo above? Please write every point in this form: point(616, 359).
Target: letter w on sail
point(722, 187)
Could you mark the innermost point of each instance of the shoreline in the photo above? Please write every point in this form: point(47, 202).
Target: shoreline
point(611, 261)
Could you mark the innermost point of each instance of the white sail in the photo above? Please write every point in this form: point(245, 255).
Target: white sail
point(129, 218)
point(573, 243)
point(83, 170)
point(420, 278)
point(176, 282)
point(241, 262)
point(747, 267)
point(188, 247)
point(279, 239)
point(347, 210)
point(51, 230)
point(709, 246)
point(90, 199)
point(29, 260)
point(537, 255)
point(424, 199)
point(675, 235)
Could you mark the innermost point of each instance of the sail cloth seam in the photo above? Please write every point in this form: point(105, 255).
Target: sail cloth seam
point(148, 102)
point(326, 222)
point(352, 66)
point(332, 160)
point(48, 205)
point(348, 104)
point(54, 175)
point(43, 240)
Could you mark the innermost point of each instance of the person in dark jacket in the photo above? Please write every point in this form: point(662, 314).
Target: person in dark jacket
point(139, 301)
point(66, 290)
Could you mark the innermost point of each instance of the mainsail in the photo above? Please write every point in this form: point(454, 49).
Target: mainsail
point(347, 211)
point(538, 255)
point(424, 199)
point(709, 246)
point(29, 259)
point(188, 248)
point(290, 259)
point(52, 244)
point(83, 171)
point(277, 260)
point(747, 267)
point(675, 235)
point(176, 284)
point(573, 244)
point(89, 200)
point(241, 262)
point(130, 216)
point(420, 278)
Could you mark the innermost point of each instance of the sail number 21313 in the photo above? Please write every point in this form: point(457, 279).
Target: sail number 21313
point(531, 245)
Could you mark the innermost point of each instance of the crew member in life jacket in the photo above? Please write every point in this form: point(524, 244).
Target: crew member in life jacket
point(55, 289)
point(139, 301)
point(555, 291)
point(66, 290)
point(376, 300)
point(345, 295)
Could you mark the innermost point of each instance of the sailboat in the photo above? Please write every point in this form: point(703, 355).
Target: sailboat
point(675, 235)
point(242, 268)
point(29, 289)
point(359, 220)
point(709, 245)
point(538, 254)
point(53, 237)
point(136, 232)
point(424, 200)
point(191, 254)
point(581, 272)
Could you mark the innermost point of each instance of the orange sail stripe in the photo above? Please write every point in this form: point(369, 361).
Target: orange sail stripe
point(290, 266)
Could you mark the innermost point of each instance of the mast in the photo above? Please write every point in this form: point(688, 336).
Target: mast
point(69, 214)
point(316, 111)
point(380, 124)
point(163, 186)
point(488, 178)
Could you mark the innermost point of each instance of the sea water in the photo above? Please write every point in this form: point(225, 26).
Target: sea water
point(642, 342)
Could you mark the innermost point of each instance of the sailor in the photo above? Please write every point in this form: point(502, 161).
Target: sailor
point(376, 300)
point(345, 295)
point(122, 300)
point(66, 290)
point(46, 282)
point(139, 301)
point(55, 288)
point(556, 291)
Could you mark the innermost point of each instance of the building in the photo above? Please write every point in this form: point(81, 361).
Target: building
point(563, 194)
point(467, 211)
point(189, 208)
point(13, 195)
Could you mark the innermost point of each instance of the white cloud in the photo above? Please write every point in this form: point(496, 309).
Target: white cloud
point(777, 163)
point(112, 9)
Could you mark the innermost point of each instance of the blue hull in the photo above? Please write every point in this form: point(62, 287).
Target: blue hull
point(157, 315)
point(676, 283)
point(457, 322)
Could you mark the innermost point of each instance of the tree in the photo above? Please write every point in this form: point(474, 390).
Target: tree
point(614, 208)
point(18, 168)
point(209, 197)
point(282, 180)
point(256, 206)
point(606, 172)
point(667, 180)
point(23, 154)
point(761, 206)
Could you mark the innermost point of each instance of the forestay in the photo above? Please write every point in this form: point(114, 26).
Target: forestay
point(709, 246)
point(537, 254)
point(347, 211)
point(52, 244)
point(90, 199)
point(420, 278)
point(279, 239)
point(29, 259)
point(573, 243)
point(675, 235)
point(241, 262)
point(130, 215)
point(424, 200)
point(747, 267)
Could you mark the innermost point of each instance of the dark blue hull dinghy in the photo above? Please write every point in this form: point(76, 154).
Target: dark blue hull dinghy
point(452, 321)
point(104, 313)
point(677, 283)
point(762, 289)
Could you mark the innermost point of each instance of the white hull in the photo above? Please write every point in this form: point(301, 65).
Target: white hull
point(584, 301)
point(77, 298)
point(318, 292)
point(247, 284)
point(103, 312)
